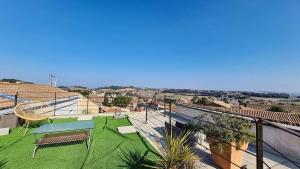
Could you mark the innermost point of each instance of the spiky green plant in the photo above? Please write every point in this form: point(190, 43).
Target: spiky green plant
point(178, 154)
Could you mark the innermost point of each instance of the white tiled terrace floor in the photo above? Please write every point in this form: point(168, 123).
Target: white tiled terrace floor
point(152, 130)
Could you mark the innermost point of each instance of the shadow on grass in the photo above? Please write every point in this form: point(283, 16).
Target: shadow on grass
point(149, 148)
point(135, 160)
point(50, 146)
point(12, 143)
point(2, 162)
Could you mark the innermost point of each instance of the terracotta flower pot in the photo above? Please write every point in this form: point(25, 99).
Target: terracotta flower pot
point(230, 153)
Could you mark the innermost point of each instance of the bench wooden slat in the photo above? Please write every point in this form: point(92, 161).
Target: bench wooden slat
point(63, 138)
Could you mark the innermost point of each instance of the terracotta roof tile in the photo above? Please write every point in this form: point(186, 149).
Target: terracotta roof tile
point(6, 103)
point(34, 92)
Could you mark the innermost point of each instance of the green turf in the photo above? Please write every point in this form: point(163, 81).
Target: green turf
point(109, 150)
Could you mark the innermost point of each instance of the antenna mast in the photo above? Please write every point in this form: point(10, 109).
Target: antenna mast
point(52, 77)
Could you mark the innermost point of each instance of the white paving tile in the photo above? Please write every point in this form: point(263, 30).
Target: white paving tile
point(126, 129)
point(4, 131)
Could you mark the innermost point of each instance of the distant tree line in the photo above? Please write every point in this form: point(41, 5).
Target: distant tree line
point(115, 87)
point(14, 81)
point(236, 94)
point(267, 95)
point(214, 93)
point(79, 87)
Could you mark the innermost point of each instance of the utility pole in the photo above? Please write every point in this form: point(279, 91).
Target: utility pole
point(51, 77)
point(54, 103)
point(87, 104)
point(164, 104)
point(146, 112)
point(16, 99)
point(170, 112)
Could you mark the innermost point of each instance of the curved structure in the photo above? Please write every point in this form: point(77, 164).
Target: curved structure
point(33, 112)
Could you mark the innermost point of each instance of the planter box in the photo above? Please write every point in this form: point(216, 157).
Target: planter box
point(230, 153)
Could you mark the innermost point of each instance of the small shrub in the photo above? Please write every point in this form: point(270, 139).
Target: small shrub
point(223, 128)
point(276, 109)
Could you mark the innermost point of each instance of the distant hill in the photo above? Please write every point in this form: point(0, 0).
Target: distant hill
point(73, 87)
point(78, 87)
point(9, 80)
point(217, 93)
point(64, 87)
point(116, 87)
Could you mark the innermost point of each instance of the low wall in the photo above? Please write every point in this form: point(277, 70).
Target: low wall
point(85, 105)
point(8, 121)
point(282, 141)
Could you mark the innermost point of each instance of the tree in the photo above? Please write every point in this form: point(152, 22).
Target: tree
point(241, 103)
point(122, 101)
point(203, 101)
point(195, 99)
point(276, 109)
point(106, 102)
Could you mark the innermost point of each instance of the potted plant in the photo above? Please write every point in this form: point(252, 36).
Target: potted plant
point(224, 136)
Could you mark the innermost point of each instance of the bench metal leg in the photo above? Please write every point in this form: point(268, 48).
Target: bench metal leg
point(26, 129)
point(89, 142)
point(24, 126)
point(86, 144)
point(34, 150)
point(20, 129)
point(50, 123)
point(90, 137)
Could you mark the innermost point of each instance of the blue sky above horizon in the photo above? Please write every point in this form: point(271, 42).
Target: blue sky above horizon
point(223, 45)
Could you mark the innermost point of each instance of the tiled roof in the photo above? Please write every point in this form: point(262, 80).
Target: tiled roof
point(6, 103)
point(280, 117)
point(34, 92)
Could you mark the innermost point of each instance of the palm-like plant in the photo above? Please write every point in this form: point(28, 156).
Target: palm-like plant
point(178, 154)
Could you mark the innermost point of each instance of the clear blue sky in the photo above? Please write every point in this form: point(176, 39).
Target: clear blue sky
point(230, 45)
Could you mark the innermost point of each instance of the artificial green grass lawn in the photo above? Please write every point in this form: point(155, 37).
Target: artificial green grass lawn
point(109, 149)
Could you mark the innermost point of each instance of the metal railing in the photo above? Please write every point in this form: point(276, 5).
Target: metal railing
point(260, 145)
point(64, 103)
point(59, 103)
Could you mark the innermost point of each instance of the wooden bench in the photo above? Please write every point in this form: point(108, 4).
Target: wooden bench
point(67, 137)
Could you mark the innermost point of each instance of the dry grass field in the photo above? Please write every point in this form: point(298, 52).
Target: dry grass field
point(294, 108)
